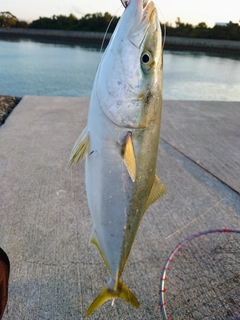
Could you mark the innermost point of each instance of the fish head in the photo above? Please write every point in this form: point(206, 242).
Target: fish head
point(129, 78)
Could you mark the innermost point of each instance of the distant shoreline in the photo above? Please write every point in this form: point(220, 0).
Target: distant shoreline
point(82, 37)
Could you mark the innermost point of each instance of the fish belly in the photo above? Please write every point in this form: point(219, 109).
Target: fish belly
point(109, 188)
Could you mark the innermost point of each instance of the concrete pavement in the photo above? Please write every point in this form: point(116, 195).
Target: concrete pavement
point(44, 219)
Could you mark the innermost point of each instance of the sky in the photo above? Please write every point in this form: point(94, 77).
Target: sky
point(194, 12)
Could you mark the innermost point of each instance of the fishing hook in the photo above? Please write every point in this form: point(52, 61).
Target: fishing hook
point(125, 3)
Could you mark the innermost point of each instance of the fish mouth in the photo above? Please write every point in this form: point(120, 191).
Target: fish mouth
point(138, 31)
point(148, 8)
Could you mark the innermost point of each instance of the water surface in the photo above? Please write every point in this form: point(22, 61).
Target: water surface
point(34, 68)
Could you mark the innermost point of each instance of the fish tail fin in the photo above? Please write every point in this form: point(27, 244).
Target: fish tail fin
point(122, 292)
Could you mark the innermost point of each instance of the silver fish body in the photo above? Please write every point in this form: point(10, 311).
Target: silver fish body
point(120, 142)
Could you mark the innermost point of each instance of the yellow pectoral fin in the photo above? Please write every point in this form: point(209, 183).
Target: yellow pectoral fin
point(122, 292)
point(158, 190)
point(129, 157)
point(79, 149)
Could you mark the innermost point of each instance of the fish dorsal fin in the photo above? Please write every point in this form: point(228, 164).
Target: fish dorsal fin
point(79, 149)
point(129, 156)
point(94, 240)
point(158, 190)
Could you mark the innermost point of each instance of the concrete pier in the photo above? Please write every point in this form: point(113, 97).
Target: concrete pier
point(44, 219)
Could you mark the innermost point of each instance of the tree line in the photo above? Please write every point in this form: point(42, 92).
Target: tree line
point(228, 31)
point(98, 22)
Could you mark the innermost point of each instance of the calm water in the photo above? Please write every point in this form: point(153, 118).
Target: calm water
point(34, 68)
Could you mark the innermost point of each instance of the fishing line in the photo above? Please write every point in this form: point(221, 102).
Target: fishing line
point(164, 32)
point(105, 34)
point(201, 277)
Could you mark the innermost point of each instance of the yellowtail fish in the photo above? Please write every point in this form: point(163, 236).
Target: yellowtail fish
point(120, 141)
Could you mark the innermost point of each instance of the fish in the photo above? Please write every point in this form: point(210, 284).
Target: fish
point(120, 141)
point(4, 278)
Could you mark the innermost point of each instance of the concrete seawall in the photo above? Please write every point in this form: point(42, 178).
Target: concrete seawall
point(206, 45)
point(81, 37)
point(55, 35)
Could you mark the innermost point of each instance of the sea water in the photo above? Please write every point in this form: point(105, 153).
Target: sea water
point(30, 67)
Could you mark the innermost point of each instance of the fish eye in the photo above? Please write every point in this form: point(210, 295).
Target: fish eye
point(146, 60)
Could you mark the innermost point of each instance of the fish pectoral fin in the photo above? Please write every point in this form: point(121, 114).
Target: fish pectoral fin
point(79, 149)
point(122, 292)
point(158, 190)
point(94, 240)
point(129, 156)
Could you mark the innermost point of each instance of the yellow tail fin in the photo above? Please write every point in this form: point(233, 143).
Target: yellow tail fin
point(122, 292)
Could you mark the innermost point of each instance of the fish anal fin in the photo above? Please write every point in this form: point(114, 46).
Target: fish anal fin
point(94, 240)
point(121, 292)
point(79, 149)
point(129, 156)
point(157, 191)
